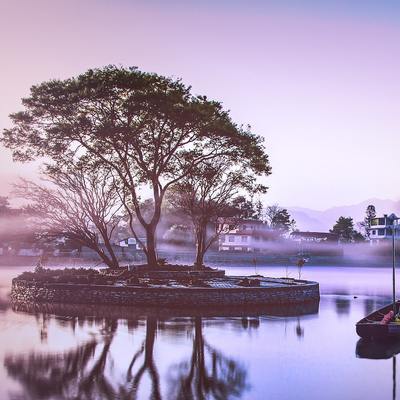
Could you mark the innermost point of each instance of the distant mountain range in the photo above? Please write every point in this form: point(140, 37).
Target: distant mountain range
point(314, 220)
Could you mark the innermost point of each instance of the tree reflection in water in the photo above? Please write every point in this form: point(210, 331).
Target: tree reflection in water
point(208, 374)
point(148, 365)
point(84, 372)
point(72, 374)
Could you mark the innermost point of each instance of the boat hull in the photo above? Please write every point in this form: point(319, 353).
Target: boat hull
point(371, 328)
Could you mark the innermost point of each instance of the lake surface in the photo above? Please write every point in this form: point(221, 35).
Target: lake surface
point(157, 355)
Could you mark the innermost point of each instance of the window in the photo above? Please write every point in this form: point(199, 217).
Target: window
point(244, 238)
point(381, 232)
point(244, 227)
point(231, 238)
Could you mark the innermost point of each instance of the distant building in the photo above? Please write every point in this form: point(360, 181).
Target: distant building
point(381, 228)
point(315, 237)
point(130, 243)
point(245, 236)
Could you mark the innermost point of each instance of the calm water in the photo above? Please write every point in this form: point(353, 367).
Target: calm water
point(183, 356)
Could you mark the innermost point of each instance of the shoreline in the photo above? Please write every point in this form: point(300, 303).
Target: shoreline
point(30, 262)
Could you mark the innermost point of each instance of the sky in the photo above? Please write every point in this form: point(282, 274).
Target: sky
point(320, 80)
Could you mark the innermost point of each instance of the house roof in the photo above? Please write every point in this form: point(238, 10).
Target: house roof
point(315, 235)
point(251, 233)
point(237, 221)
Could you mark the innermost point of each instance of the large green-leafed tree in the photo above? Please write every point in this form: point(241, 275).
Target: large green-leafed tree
point(148, 129)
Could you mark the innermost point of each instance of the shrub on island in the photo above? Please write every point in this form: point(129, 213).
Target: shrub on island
point(67, 275)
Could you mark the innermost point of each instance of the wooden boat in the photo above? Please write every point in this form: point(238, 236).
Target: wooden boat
point(371, 327)
point(374, 326)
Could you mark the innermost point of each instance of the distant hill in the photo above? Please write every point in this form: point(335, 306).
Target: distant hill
point(315, 220)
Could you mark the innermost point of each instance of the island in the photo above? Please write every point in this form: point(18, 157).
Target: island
point(175, 286)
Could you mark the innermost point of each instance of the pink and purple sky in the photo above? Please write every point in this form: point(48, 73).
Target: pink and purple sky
point(319, 80)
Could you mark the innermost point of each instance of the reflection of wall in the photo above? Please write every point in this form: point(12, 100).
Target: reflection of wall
point(132, 314)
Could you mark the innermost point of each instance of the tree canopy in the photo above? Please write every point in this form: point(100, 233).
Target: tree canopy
point(148, 129)
point(370, 214)
point(279, 218)
point(344, 229)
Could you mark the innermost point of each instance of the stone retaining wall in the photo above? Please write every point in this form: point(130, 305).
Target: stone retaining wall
point(32, 292)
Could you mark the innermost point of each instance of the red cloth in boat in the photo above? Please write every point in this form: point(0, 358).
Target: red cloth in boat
point(387, 317)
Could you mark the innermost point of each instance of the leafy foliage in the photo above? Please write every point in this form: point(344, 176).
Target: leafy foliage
point(66, 275)
point(370, 214)
point(344, 229)
point(279, 219)
point(147, 129)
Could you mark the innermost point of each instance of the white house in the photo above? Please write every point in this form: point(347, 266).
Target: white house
point(381, 228)
point(129, 242)
point(246, 236)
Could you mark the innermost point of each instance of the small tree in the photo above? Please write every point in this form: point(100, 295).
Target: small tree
point(370, 214)
point(79, 205)
point(259, 210)
point(245, 207)
point(206, 195)
point(344, 229)
point(279, 219)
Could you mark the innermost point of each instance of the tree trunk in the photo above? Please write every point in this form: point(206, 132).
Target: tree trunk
point(201, 231)
point(106, 259)
point(111, 253)
point(91, 244)
point(199, 263)
point(151, 246)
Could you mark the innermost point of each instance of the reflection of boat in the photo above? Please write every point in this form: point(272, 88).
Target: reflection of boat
point(377, 350)
point(384, 324)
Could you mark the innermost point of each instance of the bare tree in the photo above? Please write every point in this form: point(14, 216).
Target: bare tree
point(206, 195)
point(76, 204)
